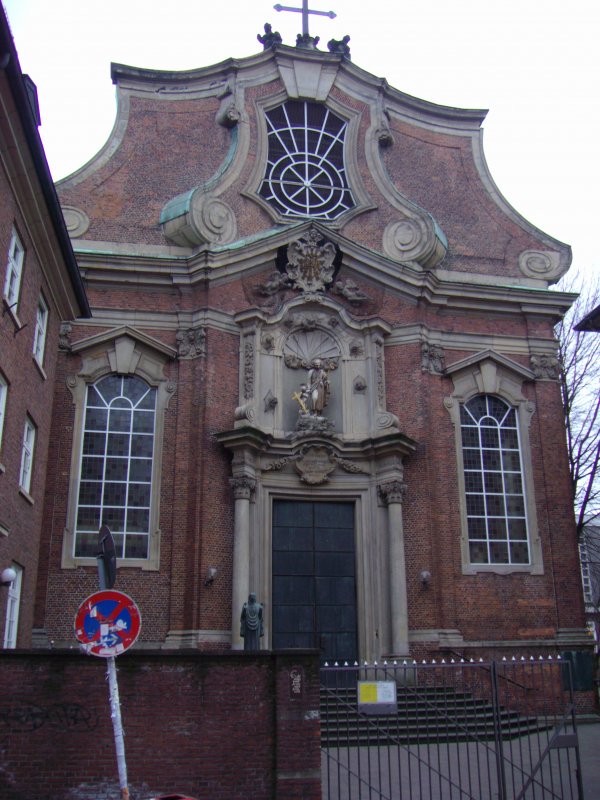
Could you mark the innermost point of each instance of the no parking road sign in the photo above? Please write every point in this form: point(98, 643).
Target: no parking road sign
point(107, 623)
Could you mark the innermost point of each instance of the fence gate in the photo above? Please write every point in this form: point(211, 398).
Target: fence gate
point(450, 731)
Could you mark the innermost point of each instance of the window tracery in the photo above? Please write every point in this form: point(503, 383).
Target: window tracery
point(494, 491)
point(116, 466)
point(306, 170)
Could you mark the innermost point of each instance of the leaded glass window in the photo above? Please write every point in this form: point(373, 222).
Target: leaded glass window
point(115, 486)
point(495, 495)
point(306, 170)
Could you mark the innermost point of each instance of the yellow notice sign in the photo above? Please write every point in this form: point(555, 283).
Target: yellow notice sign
point(377, 697)
point(367, 692)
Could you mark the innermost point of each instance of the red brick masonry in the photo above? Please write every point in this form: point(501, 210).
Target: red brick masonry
point(225, 726)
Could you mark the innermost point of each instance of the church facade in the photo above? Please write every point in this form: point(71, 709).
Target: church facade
point(320, 368)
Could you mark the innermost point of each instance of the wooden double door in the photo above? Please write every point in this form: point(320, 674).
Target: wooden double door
point(314, 578)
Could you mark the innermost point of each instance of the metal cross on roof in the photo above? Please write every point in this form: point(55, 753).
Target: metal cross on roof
point(305, 11)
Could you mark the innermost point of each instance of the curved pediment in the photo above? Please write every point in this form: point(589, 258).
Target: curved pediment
point(240, 148)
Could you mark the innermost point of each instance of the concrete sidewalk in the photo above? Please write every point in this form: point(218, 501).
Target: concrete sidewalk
point(453, 770)
point(589, 750)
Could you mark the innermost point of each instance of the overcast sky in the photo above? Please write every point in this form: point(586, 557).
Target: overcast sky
point(533, 64)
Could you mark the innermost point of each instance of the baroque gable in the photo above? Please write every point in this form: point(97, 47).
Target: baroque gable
point(233, 167)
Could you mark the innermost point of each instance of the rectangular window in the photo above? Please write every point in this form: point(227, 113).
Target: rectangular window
point(27, 455)
point(41, 326)
point(3, 394)
point(14, 269)
point(13, 604)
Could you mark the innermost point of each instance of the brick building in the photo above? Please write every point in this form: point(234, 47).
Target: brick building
point(41, 286)
point(320, 368)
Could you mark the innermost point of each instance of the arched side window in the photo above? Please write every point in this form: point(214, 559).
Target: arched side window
point(115, 481)
point(494, 491)
point(120, 392)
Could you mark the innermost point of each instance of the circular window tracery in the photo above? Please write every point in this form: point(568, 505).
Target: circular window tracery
point(306, 173)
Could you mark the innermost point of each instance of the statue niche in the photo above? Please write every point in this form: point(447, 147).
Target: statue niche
point(312, 386)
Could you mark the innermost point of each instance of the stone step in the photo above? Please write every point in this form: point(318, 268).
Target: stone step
point(432, 715)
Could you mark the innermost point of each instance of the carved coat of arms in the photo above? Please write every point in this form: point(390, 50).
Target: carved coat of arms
point(315, 465)
point(310, 262)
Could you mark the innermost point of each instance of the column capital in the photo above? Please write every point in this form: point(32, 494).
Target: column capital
point(392, 492)
point(243, 487)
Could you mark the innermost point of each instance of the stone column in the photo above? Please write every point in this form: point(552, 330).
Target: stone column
point(392, 493)
point(243, 488)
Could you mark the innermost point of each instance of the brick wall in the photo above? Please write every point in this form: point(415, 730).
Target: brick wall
point(222, 727)
point(30, 392)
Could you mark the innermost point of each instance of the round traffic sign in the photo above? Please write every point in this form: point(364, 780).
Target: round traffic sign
point(107, 623)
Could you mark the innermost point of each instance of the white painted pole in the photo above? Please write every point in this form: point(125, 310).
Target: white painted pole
point(115, 714)
point(113, 694)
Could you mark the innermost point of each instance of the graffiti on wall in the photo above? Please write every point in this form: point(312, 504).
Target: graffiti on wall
point(71, 717)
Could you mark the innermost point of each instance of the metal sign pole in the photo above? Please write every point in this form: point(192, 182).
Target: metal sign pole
point(115, 713)
point(106, 579)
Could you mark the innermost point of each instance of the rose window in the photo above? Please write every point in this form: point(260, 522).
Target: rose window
point(306, 172)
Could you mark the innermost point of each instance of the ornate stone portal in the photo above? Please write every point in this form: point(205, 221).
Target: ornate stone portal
point(312, 426)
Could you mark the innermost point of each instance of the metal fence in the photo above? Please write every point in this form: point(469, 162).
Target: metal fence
point(451, 730)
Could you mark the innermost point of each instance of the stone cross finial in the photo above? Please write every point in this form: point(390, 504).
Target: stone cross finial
point(305, 11)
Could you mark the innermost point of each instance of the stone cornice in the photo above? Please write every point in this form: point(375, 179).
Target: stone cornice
point(173, 266)
point(166, 321)
point(275, 449)
point(124, 330)
point(267, 65)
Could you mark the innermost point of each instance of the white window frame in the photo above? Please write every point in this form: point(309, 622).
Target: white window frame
point(494, 514)
point(41, 328)
point(492, 374)
point(124, 354)
point(3, 396)
point(27, 452)
point(13, 606)
point(123, 486)
point(14, 271)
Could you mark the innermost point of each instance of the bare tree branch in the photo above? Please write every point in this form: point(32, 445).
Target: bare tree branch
point(579, 356)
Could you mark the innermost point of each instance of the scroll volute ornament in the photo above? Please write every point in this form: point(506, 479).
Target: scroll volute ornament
point(415, 239)
point(202, 218)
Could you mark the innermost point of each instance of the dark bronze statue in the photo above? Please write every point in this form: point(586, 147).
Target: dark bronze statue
point(339, 46)
point(251, 623)
point(270, 38)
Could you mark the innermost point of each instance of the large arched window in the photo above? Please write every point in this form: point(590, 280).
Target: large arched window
point(494, 490)
point(115, 486)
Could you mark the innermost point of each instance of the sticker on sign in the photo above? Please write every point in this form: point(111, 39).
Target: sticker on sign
point(107, 623)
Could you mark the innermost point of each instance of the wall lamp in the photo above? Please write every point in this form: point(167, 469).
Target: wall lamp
point(211, 574)
point(8, 576)
point(425, 578)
